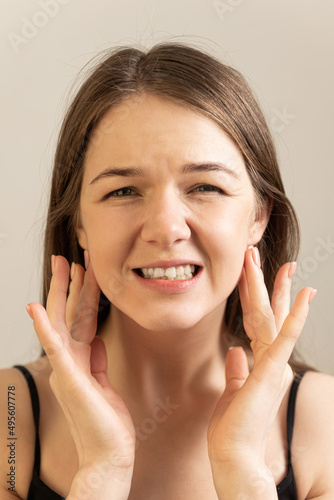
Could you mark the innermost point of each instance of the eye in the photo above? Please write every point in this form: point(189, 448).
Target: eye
point(120, 193)
point(208, 188)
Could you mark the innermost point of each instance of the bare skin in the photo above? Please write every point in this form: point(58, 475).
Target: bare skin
point(155, 345)
point(58, 468)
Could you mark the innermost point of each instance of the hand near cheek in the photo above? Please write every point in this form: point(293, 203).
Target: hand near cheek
point(100, 423)
point(241, 423)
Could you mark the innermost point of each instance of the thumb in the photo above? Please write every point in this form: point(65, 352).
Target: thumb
point(236, 369)
point(99, 362)
point(236, 372)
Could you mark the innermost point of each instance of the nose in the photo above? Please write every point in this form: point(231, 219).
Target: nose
point(165, 221)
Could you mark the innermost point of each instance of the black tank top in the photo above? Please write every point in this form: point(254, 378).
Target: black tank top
point(38, 490)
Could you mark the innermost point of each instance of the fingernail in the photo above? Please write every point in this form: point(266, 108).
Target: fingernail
point(28, 308)
point(87, 259)
point(292, 269)
point(312, 295)
point(53, 263)
point(73, 271)
point(256, 256)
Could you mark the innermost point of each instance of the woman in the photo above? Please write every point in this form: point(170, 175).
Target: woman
point(168, 204)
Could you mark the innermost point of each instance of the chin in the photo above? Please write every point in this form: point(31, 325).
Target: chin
point(166, 323)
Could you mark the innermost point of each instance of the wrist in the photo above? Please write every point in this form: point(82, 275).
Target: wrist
point(101, 481)
point(254, 480)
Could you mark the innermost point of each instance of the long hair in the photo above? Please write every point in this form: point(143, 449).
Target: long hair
point(199, 81)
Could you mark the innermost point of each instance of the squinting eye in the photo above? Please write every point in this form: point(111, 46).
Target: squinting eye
point(208, 188)
point(120, 193)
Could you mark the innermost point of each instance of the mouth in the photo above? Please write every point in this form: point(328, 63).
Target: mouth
point(178, 273)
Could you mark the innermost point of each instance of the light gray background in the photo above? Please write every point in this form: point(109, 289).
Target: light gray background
point(285, 49)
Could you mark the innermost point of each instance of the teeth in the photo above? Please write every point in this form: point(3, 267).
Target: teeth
point(171, 273)
point(158, 272)
point(187, 269)
point(179, 271)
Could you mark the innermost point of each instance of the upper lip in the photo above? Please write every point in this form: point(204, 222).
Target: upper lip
point(170, 263)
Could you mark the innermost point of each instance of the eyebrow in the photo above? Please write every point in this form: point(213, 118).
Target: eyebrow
point(186, 169)
point(122, 172)
point(209, 167)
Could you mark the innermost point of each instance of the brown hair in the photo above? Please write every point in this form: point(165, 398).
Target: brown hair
point(193, 78)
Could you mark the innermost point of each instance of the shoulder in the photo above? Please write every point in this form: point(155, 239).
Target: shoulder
point(313, 438)
point(17, 430)
point(315, 403)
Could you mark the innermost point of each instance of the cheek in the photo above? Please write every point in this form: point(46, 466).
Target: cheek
point(227, 243)
point(109, 243)
point(105, 233)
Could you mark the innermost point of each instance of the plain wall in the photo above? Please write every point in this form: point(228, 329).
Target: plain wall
point(284, 48)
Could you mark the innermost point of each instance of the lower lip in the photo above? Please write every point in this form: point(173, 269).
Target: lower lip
point(169, 286)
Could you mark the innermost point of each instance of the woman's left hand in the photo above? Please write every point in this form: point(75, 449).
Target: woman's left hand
point(244, 416)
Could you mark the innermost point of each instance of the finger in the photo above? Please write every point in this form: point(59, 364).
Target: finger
point(85, 322)
point(245, 304)
point(56, 301)
point(236, 373)
point(280, 300)
point(54, 343)
point(262, 317)
point(99, 370)
point(77, 276)
point(281, 349)
point(236, 369)
point(99, 362)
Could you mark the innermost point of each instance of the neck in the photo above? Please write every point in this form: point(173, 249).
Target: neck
point(182, 365)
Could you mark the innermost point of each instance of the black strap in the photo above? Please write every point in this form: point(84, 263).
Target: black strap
point(35, 409)
point(291, 410)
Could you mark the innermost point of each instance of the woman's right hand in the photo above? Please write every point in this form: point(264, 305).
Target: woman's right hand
point(98, 419)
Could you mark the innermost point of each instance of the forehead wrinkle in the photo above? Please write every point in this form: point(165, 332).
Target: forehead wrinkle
point(133, 171)
point(210, 167)
point(121, 172)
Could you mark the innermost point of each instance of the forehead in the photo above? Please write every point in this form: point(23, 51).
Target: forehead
point(147, 128)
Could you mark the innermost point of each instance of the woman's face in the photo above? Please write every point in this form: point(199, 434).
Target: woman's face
point(163, 188)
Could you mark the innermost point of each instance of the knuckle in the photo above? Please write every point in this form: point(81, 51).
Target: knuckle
point(268, 312)
point(279, 295)
point(53, 348)
point(298, 317)
point(87, 312)
point(247, 317)
point(257, 319)
point(262, 315)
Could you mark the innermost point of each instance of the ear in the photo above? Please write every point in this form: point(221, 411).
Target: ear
point(80, 233)
point(260, 223)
